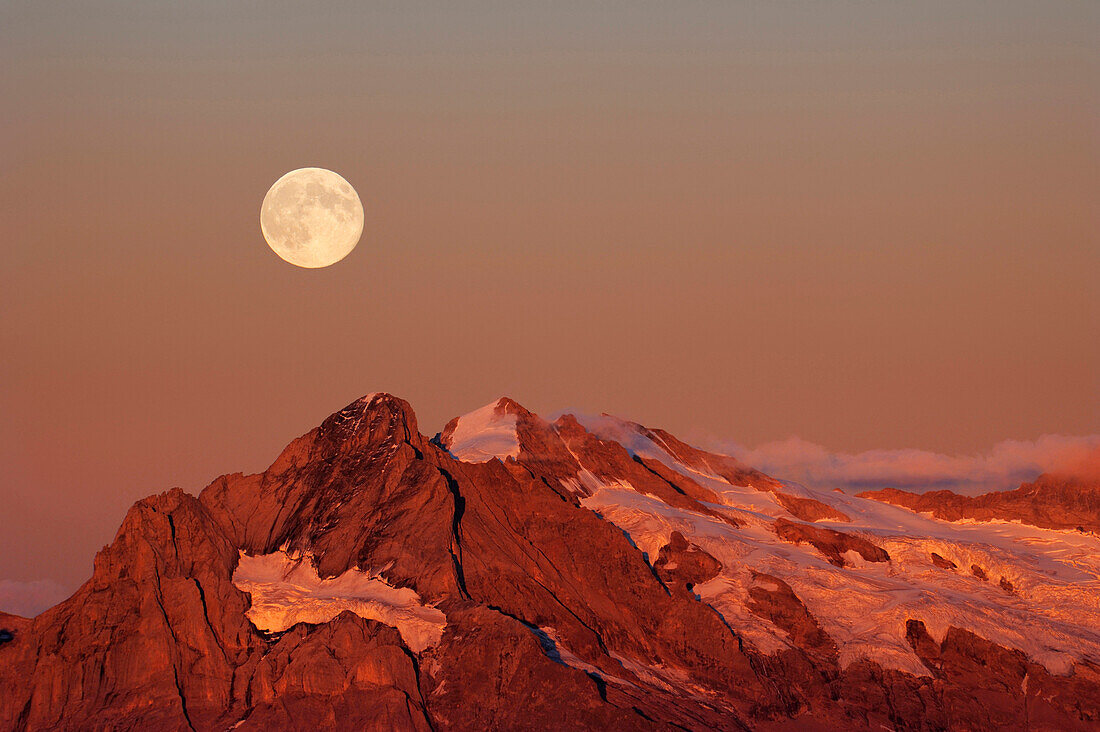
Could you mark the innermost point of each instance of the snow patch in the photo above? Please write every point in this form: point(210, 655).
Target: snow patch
point(286, 590)
point(1052, 612)
point(637, 444)
point(658, 675)
point(483, 435)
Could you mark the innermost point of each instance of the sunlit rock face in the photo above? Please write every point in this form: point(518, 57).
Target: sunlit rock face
point(576, 572)
point(1070, 502)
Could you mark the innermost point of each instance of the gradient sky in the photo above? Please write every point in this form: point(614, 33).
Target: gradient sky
point(867, 224)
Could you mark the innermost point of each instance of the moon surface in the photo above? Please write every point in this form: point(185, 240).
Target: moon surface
point(311, 217)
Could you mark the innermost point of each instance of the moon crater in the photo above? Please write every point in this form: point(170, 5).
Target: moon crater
point(311, 217)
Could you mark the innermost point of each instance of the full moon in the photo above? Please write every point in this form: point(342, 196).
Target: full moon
point(311, 217)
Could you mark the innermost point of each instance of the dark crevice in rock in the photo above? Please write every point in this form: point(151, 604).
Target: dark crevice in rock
point(437, 442)
point(601, 685)
point(657, 577)
point(409, 441)
point(658, 476)
point(21, 721)
point(206, 617)
point(599, 638)
point(420, 689)
point(183, 700)
point(157, 596)
point(550, 648)
point(630, 540)
point(456, 531)
point(558, 490)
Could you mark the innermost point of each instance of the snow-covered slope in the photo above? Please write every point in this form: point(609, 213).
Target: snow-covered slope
point(1029, 588)
point(1051, 612)
point(484, 434)
point(286, 590)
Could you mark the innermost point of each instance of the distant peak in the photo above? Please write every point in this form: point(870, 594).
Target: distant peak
point(507, 405)
point(485, 433)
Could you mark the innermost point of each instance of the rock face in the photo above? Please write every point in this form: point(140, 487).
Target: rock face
point(681, 562)
point(586, 573)
point(833, 544)
point(943, 563)
point(1051, 501)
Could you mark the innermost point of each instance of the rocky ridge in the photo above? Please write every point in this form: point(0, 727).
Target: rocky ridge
point(1052, 501)
point(592, 573)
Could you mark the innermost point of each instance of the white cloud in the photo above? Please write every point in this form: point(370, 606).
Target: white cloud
point(1004, 467)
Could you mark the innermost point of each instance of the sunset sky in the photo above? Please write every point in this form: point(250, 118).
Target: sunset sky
point(872, 226)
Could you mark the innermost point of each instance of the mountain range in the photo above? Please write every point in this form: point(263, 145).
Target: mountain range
point(514, 572)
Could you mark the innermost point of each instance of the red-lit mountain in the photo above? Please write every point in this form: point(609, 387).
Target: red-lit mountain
point(517, 573)
point(1055, 501)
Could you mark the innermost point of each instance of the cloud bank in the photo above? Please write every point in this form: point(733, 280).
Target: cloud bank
point(1004, 467)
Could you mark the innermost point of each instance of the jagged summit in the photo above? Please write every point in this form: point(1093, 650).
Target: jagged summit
point(372, 419)
point(585, 572)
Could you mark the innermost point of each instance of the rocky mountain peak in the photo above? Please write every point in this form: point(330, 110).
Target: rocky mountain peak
point(493, 431)
point(507, 405)
point(583, 573)
point(371, 421)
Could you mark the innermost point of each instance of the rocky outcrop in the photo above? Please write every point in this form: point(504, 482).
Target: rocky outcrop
point(833, 544)
point(349, 673)
point(554, 619)
point(808, 509)
point(156, 638)
point(774, 600)
point(986, 686)
point(1050, 502)
point(942, 562)
point(682, 563)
